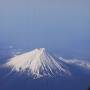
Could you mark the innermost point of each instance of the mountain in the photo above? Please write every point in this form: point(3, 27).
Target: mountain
point(38, 63)
point(40, 70)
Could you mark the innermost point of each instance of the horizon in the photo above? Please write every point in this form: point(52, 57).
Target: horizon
point(62, 27)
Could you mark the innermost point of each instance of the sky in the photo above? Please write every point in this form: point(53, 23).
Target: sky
point(62, 26)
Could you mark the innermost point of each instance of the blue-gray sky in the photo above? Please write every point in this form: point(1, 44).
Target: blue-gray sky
point(61, 25)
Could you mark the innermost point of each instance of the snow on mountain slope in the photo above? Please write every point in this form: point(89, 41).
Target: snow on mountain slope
point(38, 63)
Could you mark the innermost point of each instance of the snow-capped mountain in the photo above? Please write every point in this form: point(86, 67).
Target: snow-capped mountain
point(38, 63)
point(34, 71)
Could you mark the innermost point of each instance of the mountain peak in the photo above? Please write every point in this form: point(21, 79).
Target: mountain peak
point(38, 63)
point(40, 50)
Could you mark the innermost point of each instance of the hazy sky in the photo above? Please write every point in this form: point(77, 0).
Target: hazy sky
point(61, 25)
